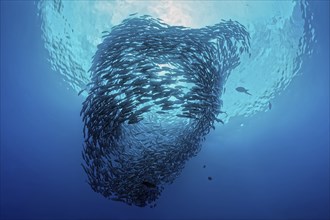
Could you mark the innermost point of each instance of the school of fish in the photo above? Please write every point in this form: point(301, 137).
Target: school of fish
point(154, 95)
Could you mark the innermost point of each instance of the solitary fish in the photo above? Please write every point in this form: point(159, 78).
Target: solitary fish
point(269, 105)
point(242, 89)
point(209, 178)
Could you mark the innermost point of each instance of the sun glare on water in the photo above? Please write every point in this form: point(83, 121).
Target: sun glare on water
point(73, 29)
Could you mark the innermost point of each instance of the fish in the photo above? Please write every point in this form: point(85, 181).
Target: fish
point(149, 184)
point(219, 120)
point(81, 91)
point(223, 112)
point(133, 119)
point(242, 90)
point(209, 178)
point(161, 112)
point(269, 105)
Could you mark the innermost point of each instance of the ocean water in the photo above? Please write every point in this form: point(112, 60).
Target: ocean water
point(264, 164)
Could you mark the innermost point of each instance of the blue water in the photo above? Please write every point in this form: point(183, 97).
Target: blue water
point(276, 166)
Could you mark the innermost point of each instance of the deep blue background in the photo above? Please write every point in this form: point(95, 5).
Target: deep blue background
point(274, 167)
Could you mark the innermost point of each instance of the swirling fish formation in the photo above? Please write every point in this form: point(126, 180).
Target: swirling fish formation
point(154, 95)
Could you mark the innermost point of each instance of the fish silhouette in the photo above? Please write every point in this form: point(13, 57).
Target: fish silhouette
point(243, 90)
